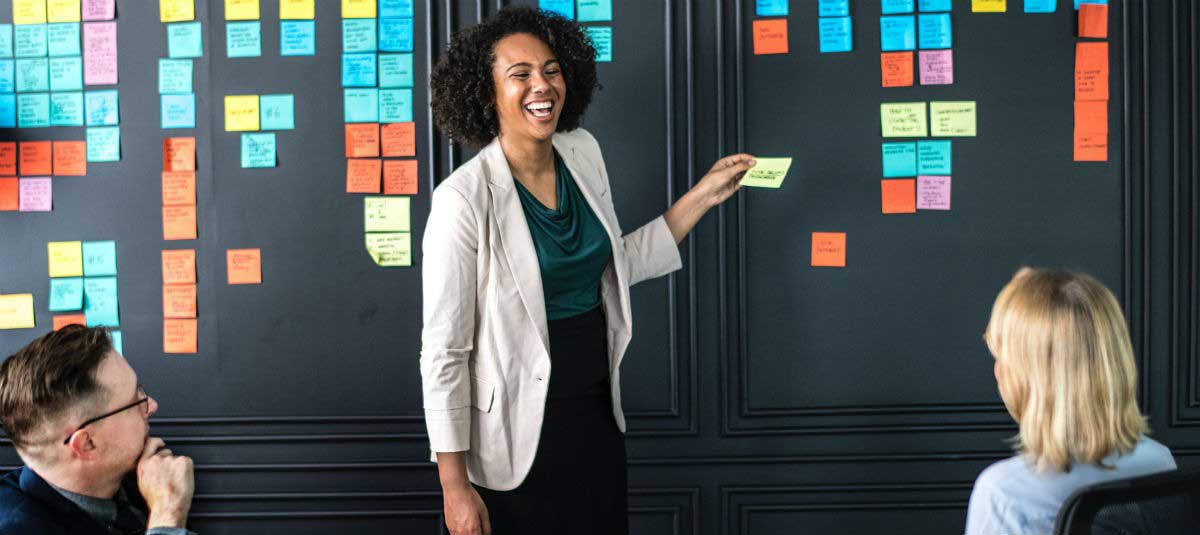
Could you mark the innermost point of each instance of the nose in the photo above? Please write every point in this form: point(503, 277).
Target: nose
point(538, 83)
point(151, 407)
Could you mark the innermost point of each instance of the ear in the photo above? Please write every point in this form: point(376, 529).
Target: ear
point(82, 446)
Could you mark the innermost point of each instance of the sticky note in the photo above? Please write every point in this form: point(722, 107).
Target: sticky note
point(899, 196)
point(179, 222)
point(66, 109)
point(390, 249)
point(897, 32)
point(179, 154)
point(395, 105)
point(566, 8)
point(62, 11)
point(103, 144)
point(396, 35)
point(362, 105)
point(101, 108)
point(1091, 71)
point(897, 68)
point(358, 70)
point(174, 76)
point(277, 112)
point(63, 320)
point(63, 39)
point(396, 8)
point(1040, 6)
point(593, 10)
point(601, 38)
point(989, 6)
point(243, 39)
point(178, 111)
point(358, 9)
point(835, 34)
point(903, 119)
point(933, 192)
point(770, 36)
point(933, 30)
point(117, 341)
point(258, 150)
point(8, 76)
point(10, 195)
point(33, 110)
point(771, 8)
point(1093, 21)
point(100, 53)
point(29, 41)
point(8, 110)
point(933, 157)
point(899, 159)
point(937, 67)
point(16, 311)
point(179, 266)
point(241, 113)
point(829, 249)
point(29, 11)
point(66, 294)
point(179, 336)
point(70, 158)
point(386, 214)
point(1091, 116)
point(362, 140)
point(6, 40)
point(395, 70)
point(400, 177)
point(891, 7)
point(398, 139)
point(35, 157)
point(178, 188)
point(934, 5)
point(8, 158)
point(179, 300)
point(767, 173)
point(241, 9)
point(1090, 147)
point(952, 118)
point(833, 8)
point(99, 9)
point(65, 258)
point(296, 9)
point(100, 301)
point(243, 266)
point(33, 74)
point(99, 258)
point(66, 74)
point(359, 35)
point(1083, 2)
point(362, 175)
point(176, 10)
point(36, 195)
point(185, 40)
point(297, 38)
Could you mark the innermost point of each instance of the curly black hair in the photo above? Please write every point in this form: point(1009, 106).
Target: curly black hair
point(464, 94)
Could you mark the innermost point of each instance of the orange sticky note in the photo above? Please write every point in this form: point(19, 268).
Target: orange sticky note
point(400, 177)
point(8, 158)
point(179, 266)
point(1091, 147)
point(178, 188)
point(63, 320)
point(770, 36)
point(179, 301)
point(70, 158)
point(362, 140)
point(899, 196)
point(179, 222)
point(243, 266)
point(10, 196)
point(179, 336)
point(1093, 20)
point(897, 69)
point(35, 158)
point(362, 176)
point(829, 249)
point(1091, 71)
point(1091, 116)
point(399, 139)
point(179, 154)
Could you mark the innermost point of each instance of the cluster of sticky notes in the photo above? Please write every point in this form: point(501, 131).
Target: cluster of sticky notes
point(1091, 84)
point(377, 64)
point(945, 119)
point(916, 176)
point(250, 114)
point(388, 228)
point(179, 301)
point(83, 282)
point(901, 34)
point(179, 188)
point(365, 143)
point(30, 192)
point(770, 36)
point(588, 11)
point(767, 173)
point(177, 100)
point(833, 25)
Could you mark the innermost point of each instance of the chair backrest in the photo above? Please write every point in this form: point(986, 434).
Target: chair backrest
point(1159, 504)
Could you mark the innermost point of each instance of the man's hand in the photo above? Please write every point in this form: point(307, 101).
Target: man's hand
point(166, 483)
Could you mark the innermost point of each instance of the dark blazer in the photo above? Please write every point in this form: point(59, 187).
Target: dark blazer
point(29, 505)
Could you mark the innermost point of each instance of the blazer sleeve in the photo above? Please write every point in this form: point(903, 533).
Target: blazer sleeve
point(448, 286)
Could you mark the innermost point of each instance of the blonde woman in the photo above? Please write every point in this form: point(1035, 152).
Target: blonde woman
point(1066, 373)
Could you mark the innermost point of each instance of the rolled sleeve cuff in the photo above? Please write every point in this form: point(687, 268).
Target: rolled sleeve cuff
point(449, 430)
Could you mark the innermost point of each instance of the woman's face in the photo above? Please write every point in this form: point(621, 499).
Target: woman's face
point(530, 90)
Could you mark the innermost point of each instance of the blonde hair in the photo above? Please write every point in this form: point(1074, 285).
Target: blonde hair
point(1066, 369)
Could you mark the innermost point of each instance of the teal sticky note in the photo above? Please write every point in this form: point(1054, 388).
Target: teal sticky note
point(771, 8)
point(101, 108)
point(29, 40)
point(100, 301)
point(297, 38)
point(62, 39)
point(117, 340)
point(933, 157)
point(1077, 2)
point(395, 70)
point(889, 7)
point(836, 34)
point(937, 5)
point(358, 70)
point(8, 76)
point(33, 74)
point(897, 32)
point(178, 111)
point(174, 76)
point(99, 258)
point(593, 10)
point(33, 110)
point(6, 41)
point(566, 8)
point(362, 105)
point(1040, 6)
point(103, 144)
point(395, 8)
point(395, 35)
point(258, 150)
point(833, 8)
point(276, 112)
point(358, 35)
point(66, 74)
point(601, 37)
point(66, 109)
point(66, 294)
point(395, 105)
point(243, 39)
point(934, 30)
point(185, 40)
point(8, 110)
point(899, 159)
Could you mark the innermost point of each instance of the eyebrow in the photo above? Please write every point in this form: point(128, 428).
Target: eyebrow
point(527, 64)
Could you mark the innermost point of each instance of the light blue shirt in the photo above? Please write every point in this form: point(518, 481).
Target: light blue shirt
point(1011, 498)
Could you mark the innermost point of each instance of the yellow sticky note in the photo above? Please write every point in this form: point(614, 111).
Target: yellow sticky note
point(16, 311)
point(66, 258)
point(296, 9)
point(358, 9)
point(29, 11)
point(387, 214)
point(952, 118)
point(903, 119)
point(241, 113)
point(62, 10)
point(989, 6)
point(176, 10)
point(767, 173)
point(390, 249)
point(241, 9)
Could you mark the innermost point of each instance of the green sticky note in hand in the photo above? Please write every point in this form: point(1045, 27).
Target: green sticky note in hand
point(767, 173)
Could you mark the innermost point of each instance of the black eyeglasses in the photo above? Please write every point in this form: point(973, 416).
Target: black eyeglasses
point(142, 398)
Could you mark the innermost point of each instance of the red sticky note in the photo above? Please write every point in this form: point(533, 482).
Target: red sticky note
point(179, 301)
point(10, 194)
point(8, 158)
point(243, 266)
point(829, 249)
point(399, 139)
point(362, 176)
point(178, 188)
point(35, 158)
point(362, 140)
point(70, 158)
point(179, 154)
point(1091, 116)
point(1091, 71)
point(63, 320)
point(1093, 20)
point(897, 69)
point(179, 336)
point(1091, 147)
point(899, 196)
point(400, 177)
point(179, 266)
point(770, 36)
point(179, 222)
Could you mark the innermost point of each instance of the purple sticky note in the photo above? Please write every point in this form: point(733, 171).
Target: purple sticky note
point(933, 193)
point(100, 53)
point(35, 194)
point(937, 67)
point(99, 9)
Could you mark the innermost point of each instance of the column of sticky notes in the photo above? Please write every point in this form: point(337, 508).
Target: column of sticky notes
point(1091, 84)
point(588, 11)
point(83, 284)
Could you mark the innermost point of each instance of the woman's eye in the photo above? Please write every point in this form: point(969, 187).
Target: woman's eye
point(521, 75)
point(552, 72)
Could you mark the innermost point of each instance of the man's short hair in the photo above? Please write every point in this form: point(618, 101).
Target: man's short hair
point(50, 376)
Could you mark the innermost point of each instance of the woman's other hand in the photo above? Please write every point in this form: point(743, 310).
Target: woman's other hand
point(465, 512)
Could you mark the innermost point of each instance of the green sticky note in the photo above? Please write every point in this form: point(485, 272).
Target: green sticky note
point(362, 105)
point(243, 39)
point(66, 109)
point(297, 38)
point(103, 144)
point(66, 294)
point(33, 74)
point(63, 39)
point(184, 40)
point(276, 112)
point(66, 74)
point(99, 258)
point(101, 108)
point(952, 118)
point(903, 119)
point(174, 76)
point(395, 106)
point(258, 150)
point(29, 40)
point(387, 214)
point(33, 110)
point(6, 41)
point(100, 301)
point(767, 173)
point(390, 249)
point(395, 70)
point(899, 159)
point(601, 37)
point(358, 35)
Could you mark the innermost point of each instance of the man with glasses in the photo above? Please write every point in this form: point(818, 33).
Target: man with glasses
point(79, 420)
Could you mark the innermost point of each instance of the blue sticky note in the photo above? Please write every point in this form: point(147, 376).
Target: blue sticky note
point(593, 10)
point(395, 106)
point(771, 8)
point(178, 111)
point(103, 144)
point(174, 76)
point(297, 38)
point(33, 110)
point(117, 340)
point(935, 5)
point(395, 70)
point(833, 8)
point(100, 301)
point(899, 159)
point(566, 8)
point(395, 35)
point(276, 112)
point(395, 8)
point(362, 105)
point(66, 109)
point(897, 32)
point(66, 74)
point(888, 7)
point(601, 37)
point(358, 35)
point(66, 294)
point(243, 39)
point(1040, 6)
point(934, 30)
point(6, 41)
point(8, 110)
point(185, 40)
point(99, 258)
point(8, 76)
point(1077, 2)
point(933, 158)
point(835, 34)
point(62, 39)
point(29, 40)
point(358, 70)
point(258, 150)
point(101, 108)
point(33, 74)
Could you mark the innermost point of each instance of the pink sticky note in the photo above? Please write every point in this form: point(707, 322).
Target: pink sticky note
point(35, 194)
point(933, 193)
point(100, 53)
point(937, 67)
point(99, 9)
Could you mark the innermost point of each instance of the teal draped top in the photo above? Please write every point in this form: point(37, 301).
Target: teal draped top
point(572, 246)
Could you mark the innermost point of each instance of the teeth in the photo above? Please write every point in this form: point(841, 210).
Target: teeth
point(539, 106)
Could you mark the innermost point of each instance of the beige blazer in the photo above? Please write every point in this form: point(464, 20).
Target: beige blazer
point(485, 360)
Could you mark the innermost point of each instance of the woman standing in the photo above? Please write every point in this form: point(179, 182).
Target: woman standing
point(526, 282)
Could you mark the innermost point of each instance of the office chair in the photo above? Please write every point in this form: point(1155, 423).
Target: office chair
point(1158, 504)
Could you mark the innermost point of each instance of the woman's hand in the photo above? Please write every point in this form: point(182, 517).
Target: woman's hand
point(465, 512)
point(718, 184)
